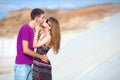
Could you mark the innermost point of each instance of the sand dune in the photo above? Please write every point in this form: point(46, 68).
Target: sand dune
point(93, 55)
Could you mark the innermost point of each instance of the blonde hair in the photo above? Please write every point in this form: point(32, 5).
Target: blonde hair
point(55, 34)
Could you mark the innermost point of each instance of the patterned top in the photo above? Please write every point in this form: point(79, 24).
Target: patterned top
point(42, 70)
point(42, 50)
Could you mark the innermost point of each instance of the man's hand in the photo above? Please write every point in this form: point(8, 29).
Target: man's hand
point(44, 58)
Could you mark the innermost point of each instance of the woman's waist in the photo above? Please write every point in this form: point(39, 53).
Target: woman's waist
point(41, 52)
point(39, 61)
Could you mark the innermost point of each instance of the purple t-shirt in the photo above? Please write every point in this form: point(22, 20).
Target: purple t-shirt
point(25, 33)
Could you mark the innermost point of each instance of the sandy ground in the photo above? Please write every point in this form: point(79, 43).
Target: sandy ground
point(91, 55)
point(6, 68)
point(94, 55)
point(7, 62)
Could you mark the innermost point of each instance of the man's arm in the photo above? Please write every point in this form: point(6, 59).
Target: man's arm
point(29, 52)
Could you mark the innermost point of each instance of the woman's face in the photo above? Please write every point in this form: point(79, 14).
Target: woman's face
point(46, 24)
point(40, 19)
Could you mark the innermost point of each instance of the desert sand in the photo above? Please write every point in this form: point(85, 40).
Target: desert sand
point(91, 55)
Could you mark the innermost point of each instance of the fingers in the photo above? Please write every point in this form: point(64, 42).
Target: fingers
point(45, 59)
point(37, 26)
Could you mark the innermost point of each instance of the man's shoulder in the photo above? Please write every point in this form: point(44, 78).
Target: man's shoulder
point(25, 26)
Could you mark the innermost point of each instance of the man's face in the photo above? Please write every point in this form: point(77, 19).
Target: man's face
point(41, 19)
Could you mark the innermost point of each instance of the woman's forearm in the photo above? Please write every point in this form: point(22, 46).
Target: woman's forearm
point(35, 41)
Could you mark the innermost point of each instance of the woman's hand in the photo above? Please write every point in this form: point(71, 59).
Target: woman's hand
point(37, 27)
point(41, 30)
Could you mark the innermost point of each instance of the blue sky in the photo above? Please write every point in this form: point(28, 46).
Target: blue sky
point(8, 5)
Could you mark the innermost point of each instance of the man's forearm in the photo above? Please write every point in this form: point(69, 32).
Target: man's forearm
point(32, 53)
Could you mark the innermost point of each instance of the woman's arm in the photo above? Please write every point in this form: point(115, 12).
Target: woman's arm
point(29, 52)
point(35, 40)
point(38, 31)
point(40, 42)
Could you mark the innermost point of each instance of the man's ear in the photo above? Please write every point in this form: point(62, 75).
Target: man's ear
point(36, 18)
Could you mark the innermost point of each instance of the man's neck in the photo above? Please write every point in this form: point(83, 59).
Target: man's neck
point(32, 24)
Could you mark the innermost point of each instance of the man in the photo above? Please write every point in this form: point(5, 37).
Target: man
point(25, 50)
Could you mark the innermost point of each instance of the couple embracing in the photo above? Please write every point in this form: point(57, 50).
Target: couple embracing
point(41, 34)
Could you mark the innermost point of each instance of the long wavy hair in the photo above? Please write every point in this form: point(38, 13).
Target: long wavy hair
point(55, 34)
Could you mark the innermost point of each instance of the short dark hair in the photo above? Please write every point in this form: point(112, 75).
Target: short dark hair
point(36, 12)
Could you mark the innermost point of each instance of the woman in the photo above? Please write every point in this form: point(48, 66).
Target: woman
point(43, 41)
